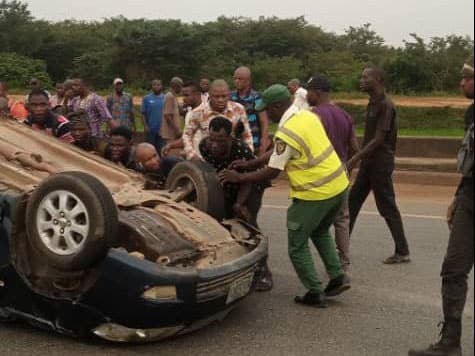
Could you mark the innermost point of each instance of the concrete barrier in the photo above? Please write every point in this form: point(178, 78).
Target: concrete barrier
point(429, 147)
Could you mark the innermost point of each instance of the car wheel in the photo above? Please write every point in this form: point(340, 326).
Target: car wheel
point(197, 184)
point(71, 220)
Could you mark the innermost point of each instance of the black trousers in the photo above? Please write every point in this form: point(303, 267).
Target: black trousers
point(253, 204)
point(377, 177)
point(458, 261)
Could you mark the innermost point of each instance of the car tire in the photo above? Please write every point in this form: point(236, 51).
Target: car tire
point(71, 220)
point(207, 193)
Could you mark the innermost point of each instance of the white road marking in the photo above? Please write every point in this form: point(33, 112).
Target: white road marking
point(366, 212)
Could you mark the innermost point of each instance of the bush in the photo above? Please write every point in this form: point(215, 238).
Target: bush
point(415, 118)
point(17, 70)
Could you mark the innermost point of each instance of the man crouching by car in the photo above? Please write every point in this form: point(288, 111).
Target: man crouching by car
point(242, 201)
point(82, 134)
point(152, 166)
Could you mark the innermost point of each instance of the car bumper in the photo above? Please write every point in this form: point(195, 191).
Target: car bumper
point(202, 296)
point(119, 333)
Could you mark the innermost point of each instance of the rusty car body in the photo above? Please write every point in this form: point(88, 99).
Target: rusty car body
point(169, 268)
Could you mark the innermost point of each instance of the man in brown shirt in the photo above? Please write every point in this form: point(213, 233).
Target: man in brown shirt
point(377, 162)
point(171, 127)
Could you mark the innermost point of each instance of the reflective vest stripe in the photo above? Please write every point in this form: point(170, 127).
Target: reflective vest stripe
point(297, 139)
point(314, 161)
point(311, 161)
point(321, 181)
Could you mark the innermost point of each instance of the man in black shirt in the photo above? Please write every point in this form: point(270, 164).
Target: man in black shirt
point(220, 150)
point(241, 200)
point(152, 166)
point(459, 258)
point(120, 149)
point(377, 162)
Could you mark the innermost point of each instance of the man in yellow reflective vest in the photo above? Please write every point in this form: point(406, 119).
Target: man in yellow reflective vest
point(318, 183)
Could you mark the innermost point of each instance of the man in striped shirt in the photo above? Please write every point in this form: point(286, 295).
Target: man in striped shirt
point(218, 105)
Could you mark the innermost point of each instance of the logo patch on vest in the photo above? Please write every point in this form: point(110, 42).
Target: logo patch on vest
point(280, 147)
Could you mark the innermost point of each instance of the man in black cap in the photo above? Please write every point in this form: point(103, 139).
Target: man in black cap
point(459, 258)
point(339, 127)
point(377, 162)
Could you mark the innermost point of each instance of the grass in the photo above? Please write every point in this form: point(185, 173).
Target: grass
point(443, 122)
point(448, 132)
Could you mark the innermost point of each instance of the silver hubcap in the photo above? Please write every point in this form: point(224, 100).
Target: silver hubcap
point(62, 222)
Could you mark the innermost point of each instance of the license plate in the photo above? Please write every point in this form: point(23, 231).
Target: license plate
point(239, 288)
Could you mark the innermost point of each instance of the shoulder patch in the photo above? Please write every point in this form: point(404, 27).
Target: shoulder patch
point(280, 147)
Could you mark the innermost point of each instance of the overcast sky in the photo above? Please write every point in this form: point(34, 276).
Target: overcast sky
point(392, 19)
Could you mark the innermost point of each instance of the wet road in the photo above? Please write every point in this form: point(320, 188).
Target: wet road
point(388, 310)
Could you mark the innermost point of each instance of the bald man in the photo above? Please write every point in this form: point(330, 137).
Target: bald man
point(299, 94)
point(248, 97)
point(218, 105)
point(154, 168)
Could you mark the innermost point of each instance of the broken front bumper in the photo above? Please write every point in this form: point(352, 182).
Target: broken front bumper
point(198, 298)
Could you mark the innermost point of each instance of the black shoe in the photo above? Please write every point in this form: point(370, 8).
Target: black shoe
point(397, 259)
point(312, 299)
point(437, 350)
point(265, 282)
point(338, 285)
point(449, 344)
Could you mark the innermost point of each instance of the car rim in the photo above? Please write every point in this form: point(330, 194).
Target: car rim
point(62, 222)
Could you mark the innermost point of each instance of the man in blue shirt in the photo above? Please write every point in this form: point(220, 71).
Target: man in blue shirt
point(247, 97)
point(152, 109)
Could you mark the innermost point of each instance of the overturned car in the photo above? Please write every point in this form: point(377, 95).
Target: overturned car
point(84, 249)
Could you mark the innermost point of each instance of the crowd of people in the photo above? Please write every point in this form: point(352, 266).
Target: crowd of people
point(315, 144)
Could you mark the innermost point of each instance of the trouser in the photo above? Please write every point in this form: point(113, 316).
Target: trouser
point(253, 205)
point(155, 139)
point(342, 233)
point(458, 260)
point(377, 177)
point(313, 219)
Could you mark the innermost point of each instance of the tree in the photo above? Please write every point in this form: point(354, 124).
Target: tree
point(17, 70)
point(365, 44)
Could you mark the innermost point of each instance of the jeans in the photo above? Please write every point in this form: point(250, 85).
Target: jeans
point(342, 234)
point(155, 139)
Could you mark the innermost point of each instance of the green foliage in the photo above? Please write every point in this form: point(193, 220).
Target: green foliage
point(17, 70)
point(416, 118)
point(275, 49)
point(422, 67)
point(269, 70)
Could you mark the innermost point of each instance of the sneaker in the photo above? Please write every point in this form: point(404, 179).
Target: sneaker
point(338, 285)
point(265, 284)
point(397, 258)
point(313, 299)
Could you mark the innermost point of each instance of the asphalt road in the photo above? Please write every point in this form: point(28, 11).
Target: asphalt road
point(388, 310)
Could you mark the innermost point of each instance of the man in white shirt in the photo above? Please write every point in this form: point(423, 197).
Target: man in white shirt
point(299, 94)
point(192, 98)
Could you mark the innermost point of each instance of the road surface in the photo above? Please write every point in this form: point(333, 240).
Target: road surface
point(388, 310)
